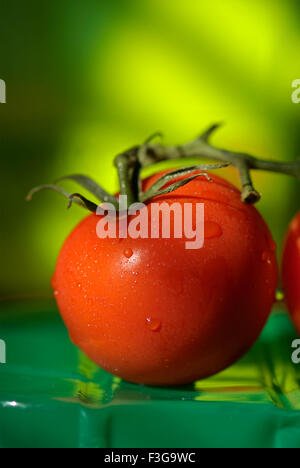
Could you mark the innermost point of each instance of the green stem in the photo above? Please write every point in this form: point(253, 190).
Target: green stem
point(289, 168)
point(249, 194)
point(130, 163)
point(242, 161)
point(126, 165)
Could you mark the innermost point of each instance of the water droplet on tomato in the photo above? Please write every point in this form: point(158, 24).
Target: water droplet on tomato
point(212, 230)
point(153, 324)
point(266, 257)
point(56, 293)
point(128, 253)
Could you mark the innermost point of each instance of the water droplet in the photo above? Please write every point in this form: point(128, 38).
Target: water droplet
point(128, 253)
point(153, 324)
point(212, 230)
point(266, 257)
point(56, 293)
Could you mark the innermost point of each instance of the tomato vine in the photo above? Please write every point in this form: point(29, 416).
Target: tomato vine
point(130, 163)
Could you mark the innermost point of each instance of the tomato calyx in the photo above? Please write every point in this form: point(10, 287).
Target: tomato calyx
point(130, 163)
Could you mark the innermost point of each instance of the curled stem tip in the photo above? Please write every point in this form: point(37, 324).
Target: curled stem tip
point(90, 206)
point(208, 133)
point(153, 136)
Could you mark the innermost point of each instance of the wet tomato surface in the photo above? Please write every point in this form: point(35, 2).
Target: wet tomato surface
point(152, 311)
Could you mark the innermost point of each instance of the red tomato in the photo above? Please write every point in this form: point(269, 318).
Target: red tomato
point(291, 271)
point(153, 312)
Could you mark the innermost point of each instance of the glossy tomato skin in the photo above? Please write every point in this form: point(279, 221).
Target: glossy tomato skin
point(153, 312)
point(291, 271)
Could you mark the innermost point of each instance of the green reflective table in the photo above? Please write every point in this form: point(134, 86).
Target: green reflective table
point(51, 395)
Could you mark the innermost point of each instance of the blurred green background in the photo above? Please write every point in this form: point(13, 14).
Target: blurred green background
point(86, 80)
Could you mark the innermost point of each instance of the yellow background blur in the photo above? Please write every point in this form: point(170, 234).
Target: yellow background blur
point(87, 79)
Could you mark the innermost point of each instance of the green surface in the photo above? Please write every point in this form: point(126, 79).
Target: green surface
point(51, 395)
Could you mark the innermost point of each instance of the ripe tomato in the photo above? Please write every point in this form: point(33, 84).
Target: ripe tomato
point(153, 312)
point(291, 271)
